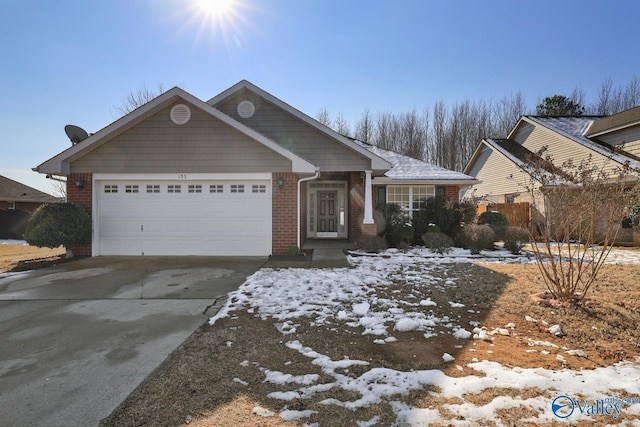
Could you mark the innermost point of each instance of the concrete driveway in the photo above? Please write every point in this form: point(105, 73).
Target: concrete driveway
point(78, 338)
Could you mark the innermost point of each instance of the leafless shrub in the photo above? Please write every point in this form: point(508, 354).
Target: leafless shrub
point(477, 237)
point(584, 203)
point(515, 238)
point(438, 242)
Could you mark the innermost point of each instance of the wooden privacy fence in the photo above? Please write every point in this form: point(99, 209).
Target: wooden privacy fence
point(518, 214)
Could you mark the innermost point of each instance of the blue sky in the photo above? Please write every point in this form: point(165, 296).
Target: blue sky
point(74, 61)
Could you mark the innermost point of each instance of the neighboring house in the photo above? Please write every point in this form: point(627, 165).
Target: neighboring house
point(17, 202)
point(241, 174)
point(502, 164)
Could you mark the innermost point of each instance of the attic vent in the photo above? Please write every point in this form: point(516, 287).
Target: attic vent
point(246, 109)
point(180, 114)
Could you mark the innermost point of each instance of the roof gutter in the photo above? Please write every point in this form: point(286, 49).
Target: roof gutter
point(310, 178)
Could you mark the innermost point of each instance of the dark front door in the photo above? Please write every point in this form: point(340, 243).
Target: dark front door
point(327, 211)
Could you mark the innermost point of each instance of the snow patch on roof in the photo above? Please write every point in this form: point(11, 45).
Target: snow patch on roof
point(575, 129)
point(408, 168)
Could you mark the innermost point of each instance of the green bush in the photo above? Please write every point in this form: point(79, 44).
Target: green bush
point(372, 243)
point(293, 250)
point(433, 228)
point(438, 242)
point(399, 231)
point(515, 238)
point(497, 221)
point(59, 224)
point(468, 210)
point(447, 216)
point(476, 238)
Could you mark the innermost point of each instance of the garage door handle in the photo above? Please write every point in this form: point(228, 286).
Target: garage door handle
point(142, 228)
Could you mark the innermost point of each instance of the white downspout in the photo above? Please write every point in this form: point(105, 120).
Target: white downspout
point(311, 178)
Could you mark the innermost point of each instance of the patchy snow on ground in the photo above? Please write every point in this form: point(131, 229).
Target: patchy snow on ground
point(350, 297)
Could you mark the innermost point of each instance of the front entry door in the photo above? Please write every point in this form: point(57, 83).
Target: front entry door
point(328, 213)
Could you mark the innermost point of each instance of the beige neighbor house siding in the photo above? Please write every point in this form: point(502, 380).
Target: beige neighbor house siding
point(493, 170)
point(295, 135)
point(203, 145)
point(561, 149)
point(629, 139)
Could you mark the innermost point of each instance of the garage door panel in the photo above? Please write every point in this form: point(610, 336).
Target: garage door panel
point(197, 223)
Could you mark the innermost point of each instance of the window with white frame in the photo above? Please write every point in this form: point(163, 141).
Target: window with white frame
point(110, 188)
point(153, 188)
point(131, 188)
point(172, 188)
point(410, 198)
point(11, 205)
point(237, 188)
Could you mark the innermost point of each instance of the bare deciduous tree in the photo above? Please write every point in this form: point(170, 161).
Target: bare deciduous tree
point(324, 117)
point(58, 187)
point(364, 127)
point(342, 126)
point(507, 112)
point(137, 98)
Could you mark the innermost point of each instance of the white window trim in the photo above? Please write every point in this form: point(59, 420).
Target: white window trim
point(11, 206)
point(431, 192)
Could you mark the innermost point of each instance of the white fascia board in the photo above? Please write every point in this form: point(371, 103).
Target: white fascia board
point(60, 163)
point(377, 163)
point(389, 181)
point(298, 164)
point(472, 160)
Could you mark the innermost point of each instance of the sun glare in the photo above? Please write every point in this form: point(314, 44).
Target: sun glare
point(215, 8)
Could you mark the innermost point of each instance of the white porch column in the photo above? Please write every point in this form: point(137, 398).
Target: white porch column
point(368, 199)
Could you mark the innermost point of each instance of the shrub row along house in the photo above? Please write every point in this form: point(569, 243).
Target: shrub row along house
point(241, 174)
point(506, 167)
point(17, 203)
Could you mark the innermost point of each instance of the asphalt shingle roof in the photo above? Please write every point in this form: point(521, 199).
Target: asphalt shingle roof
point(15, 191)
point(405, 167)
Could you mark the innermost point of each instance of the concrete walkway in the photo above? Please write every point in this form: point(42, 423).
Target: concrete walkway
point(326, 254)
point(78, 338)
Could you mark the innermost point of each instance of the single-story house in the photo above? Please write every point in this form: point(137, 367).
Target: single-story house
point(17, 202)
point(502, 165)
point(243, 173)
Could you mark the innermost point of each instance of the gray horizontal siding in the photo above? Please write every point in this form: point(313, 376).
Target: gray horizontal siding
point(295, 135)
point(204, 145)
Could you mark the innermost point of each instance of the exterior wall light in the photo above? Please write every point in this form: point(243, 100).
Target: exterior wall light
point(280, 182)
point(79, 183)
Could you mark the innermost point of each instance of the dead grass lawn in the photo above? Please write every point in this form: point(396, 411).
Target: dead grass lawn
point(217, 376)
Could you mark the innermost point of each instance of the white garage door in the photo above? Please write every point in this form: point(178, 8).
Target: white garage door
point(214, 217)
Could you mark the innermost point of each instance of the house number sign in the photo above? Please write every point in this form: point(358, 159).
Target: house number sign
point(182, 176)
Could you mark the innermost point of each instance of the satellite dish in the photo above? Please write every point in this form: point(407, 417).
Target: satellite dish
point(75, 133)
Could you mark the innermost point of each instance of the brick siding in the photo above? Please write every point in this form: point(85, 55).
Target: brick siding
point(284, 211)
point(83, 198)
point(453, 192)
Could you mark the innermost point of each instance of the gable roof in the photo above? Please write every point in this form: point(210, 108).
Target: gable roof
point(405, 168)
point(575, 128)
point(14, 191)
point(614, 122)
point(59, 164)
point(377, 163)
point(525, 159)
